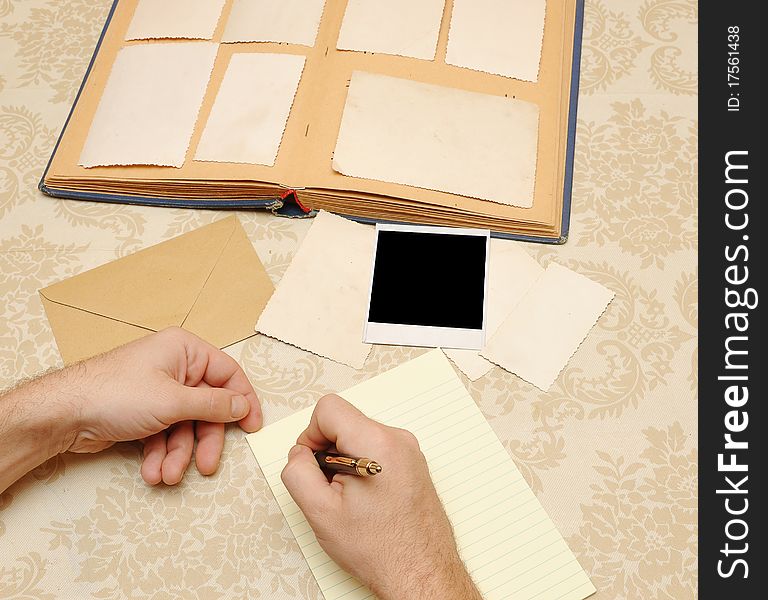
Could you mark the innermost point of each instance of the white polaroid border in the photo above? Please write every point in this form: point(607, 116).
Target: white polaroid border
point(426, 336)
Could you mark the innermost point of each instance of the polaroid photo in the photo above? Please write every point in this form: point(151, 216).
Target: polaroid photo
point(428, 287)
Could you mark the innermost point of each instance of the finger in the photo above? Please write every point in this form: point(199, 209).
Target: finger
point(214, 405)
point(154, 452)
point(306, 483)
point(210, 443)
point(254, 419)
point(334, 421)
point(181, 441)
point(206, 363)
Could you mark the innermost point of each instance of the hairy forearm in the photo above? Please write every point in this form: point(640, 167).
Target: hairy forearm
point(444, 578)
point(453, 583)
point(35, 424)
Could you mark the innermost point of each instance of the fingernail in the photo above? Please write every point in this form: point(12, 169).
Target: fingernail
point(239, 407)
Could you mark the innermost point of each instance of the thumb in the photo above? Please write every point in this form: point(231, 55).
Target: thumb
point(306, 482)
point(215, 405)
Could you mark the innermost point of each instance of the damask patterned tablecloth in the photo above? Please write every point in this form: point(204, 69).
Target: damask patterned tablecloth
point(610, 449)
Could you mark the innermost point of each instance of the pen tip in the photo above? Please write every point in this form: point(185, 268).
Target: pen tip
point(375, 468)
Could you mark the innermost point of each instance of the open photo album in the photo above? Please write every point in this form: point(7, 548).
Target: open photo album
point(441, 112)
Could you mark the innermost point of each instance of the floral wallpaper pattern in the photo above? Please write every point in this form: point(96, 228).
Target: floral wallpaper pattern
point(610, 449)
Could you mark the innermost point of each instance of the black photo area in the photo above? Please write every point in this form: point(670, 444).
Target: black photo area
point(429, 279)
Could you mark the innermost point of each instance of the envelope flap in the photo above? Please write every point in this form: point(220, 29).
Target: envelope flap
point(81, 335)
point(234, 296)
point(153, 288)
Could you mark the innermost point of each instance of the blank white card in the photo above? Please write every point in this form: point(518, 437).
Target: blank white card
point(509, 544)
point(438, 138)
point(400, 27)
point(251, 110)
point(502, 37)
point(147, 112)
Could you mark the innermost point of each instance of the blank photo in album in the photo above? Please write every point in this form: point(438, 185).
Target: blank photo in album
point(439, 138)
point(244, 127)
point(146, 116)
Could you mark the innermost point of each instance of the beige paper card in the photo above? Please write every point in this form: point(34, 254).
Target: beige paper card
point(503, 37)
point(438, 138)
point(289, 21)
point(541, 334)
point(511, 273)
point(401, 27)
point(148, 110)
point(511, 547)
point(189, 19)
point(320, 303)
point(248, 118)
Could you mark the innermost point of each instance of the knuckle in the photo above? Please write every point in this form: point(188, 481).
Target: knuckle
point(287, 474)
point(174, 333)
point(402, 437)
point(408, 439)
point(328, 401)
point(379, 436)
point(219, 404)
point(393, 440)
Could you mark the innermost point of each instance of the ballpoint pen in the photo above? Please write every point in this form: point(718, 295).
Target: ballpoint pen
point(363, 467)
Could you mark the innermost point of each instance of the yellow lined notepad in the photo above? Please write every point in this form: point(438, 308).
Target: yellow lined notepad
point(509, 544)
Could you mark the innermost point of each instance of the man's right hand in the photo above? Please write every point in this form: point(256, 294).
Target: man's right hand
point(389, 531)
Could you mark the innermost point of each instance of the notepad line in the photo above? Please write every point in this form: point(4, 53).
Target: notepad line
point(518, 561)
point(525, 516)
point(444, 493)
point(414, 396)
point(464, 548)
point(295, 512)
point(350, 591)
point(377, 415)
point(449, 464)
point(502, 491)
point(322, 564)
point(318, 553)
point(418, 406)
point(508, 513)
point(340, 582)
point(528, 570)
point(305, 533)
point(464, 431)
point(580, 571)
point(423, 439)
point(430, 414)
point(329, 574)
point(563, 595)
point(308, 545)
point(484, 475)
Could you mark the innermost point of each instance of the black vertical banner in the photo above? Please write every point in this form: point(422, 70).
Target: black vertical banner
point(733, 298)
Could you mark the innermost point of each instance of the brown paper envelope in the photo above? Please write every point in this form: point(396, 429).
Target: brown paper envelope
point(209, 281)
